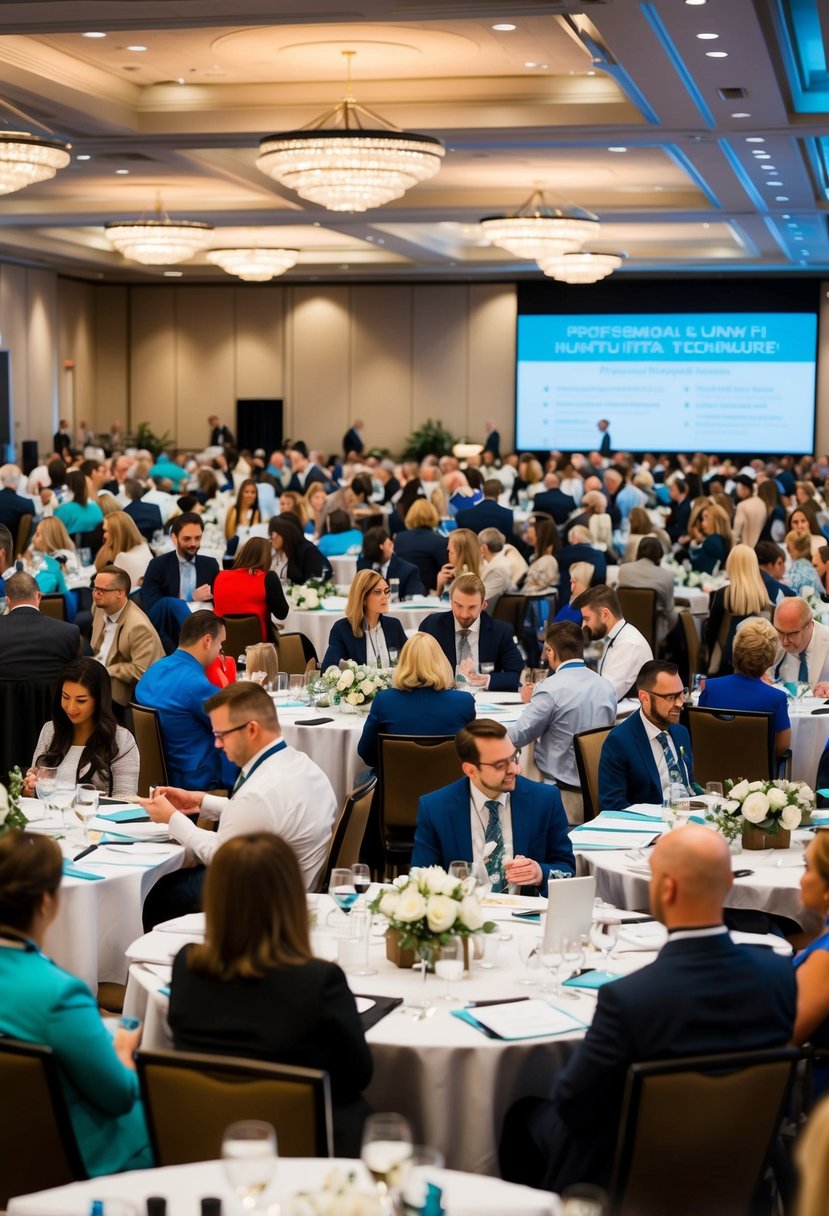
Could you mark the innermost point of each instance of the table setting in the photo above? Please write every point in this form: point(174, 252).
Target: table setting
point(316, 619)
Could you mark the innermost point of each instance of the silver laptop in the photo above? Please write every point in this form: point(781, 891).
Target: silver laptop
point(569, 907)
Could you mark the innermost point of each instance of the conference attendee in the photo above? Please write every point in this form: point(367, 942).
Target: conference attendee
point(804, 521)
point(304, 472)
point(803, 647)
point(245, 511)
point(626, 650)
point(744, 596)
point(82, 514)
point(463, 556)
point(529, 481)
point(604, 446)
point(314, 501)
point(13, 506)
point(581, 574)
point(543, 573)
point(492, 815)
point(421, 701)
point(44, 1004)
point(646, 571)
point(820, 561)
point(339, 536)
point(680, 513)
point(33, 646)
point(177, 687)
point(492, 442)
point(293, 503)
point(82, 740)
point(124, 547)
point(96, 473)
point(751, 515)
point(812, 964)
point(47, 556)
point(675, 1007)
point(772, 570)
point(650, 751)
point(353, 439)
point(420, 544)
point(279, 789)
point(755, 645)
point(641, 525)
point(489, 513)
point(173, 580)
point(145, 515)
point(553, 501)
point(569, 701)
point(709, 554)
point(580, 548)
point(219, 433)
point(294, 558)
point(472, 640)
point(366, 634)
point(250, 587)
point(502, 566)
point(622, 494)
point(378, 554)
point(123, 638)
point(774, 529)
point(62, 440)
point(801, 573)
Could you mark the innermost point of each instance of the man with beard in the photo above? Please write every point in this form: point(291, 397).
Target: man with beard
point(626, 649)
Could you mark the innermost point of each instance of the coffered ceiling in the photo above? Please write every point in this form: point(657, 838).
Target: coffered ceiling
point(698, 154)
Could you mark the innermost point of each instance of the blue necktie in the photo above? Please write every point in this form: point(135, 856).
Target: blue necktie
point(494, 832)
point(187, 585)
point(803, 670)
point(674, 771)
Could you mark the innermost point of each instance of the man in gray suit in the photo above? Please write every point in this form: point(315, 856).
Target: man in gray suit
point(647, 572)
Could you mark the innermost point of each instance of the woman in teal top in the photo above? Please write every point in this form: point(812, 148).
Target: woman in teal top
point(41, 1003)
point(812, 964)
point(82, 514)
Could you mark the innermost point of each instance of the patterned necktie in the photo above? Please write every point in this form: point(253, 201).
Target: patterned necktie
point(803, 670)
point(187, 585)
point(495, 861)
point(464, 650)
point(674, 771)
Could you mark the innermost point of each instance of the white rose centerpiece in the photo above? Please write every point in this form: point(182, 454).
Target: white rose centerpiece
point(769, 810)
point(427, 906)
point(11, 816)
point(309, 596)
point(354, 685)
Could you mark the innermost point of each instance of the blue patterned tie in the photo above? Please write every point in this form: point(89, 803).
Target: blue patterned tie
point(494, 832)
point(674, 771)
point(187, 585)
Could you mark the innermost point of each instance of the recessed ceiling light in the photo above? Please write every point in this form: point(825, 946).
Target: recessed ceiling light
point(696, 2)
point(707, 37)
point(706, 225)
point(504, 27)
point(788, 217)
point(590, 73)
point(619, 148)
point(741, 114)
point(122, 172)
point(716, 54)
point(180, 80)
point(772, 183)
point(83, 156)
point(755, 139)
point(93, 34)
point(797, 237)
point(173, 274)
point(781, 198)
point(763, 155)
point(136, 48)
point(530, 64)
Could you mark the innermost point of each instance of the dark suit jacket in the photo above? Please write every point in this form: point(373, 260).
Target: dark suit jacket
point(34, 646)
point(13, 507)
point(627, 769)
point(309, 562)
point(493, 444)
point(604, 446)
point(146, 516)
point(421, 711)
point(315, 473)
point(774, 587)
point(677, 522)
point(487, 514)
point(539, 827)
point(568, 555)
point(61, 442)
point(406, 573)
point(342, 643)
point(424, 549)
point(555, 503)
point(163, 578)
point(496, 644)
point(220, 435)
point(702, 995)
point(352, 441)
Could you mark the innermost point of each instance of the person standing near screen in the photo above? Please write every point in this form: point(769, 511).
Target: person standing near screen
point(604, 446)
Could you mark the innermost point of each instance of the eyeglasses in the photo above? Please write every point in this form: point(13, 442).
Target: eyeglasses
point(221, 734)
point(792, 633)
point(502, 765)
point(673, 697)
point(96, 590)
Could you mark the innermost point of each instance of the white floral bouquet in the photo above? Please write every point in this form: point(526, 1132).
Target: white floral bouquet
point(427, 906)
point(354, 683)
point(338, 1196)
point(767, 805)
point(11, 816)
point(311, 594)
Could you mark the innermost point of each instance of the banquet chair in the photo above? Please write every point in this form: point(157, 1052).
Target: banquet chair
point(24, 706)
point(291, 653)
point(409, 765)
point(733, 743)
point(692, 647)
point(639, 607)
point(146, 726)
point(53, 605)
point(190, 1098)
point(24, 527)
point(512, 609)
point(242, 630)
point(38, 1147)
point(588, 748)
point(348, 832)
point(677, 1150)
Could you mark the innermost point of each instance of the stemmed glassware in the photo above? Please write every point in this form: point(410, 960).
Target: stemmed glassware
point(86, 807)
point(249, 1159)
point(342, 890)
point(572, 956)
point(528, 951)
point(63, 799)
point(46, 780)
point(549, 953)
point(603, 937)
point(387, 1143)
point(449, 965)
point(361, 878)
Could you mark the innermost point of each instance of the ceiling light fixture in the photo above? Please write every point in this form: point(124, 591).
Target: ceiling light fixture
point(504, 27)
point(254, 265)
point(755, 139)
point(159, 241)
point(741, 114)
point(27, 159)
point(539, 229)
point(582, 267)
point(716, 54)
point(93, 34)
point(136, 48)
point(617, 148)
point(707, 37)
point(342, 165)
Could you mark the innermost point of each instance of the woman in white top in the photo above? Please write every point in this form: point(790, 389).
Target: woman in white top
point(124, 547)
point(83, 741)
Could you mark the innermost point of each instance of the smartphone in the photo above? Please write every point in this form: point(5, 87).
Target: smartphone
point(312, 721)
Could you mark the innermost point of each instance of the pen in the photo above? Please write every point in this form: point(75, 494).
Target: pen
point(510, 1000)
point(85, 852)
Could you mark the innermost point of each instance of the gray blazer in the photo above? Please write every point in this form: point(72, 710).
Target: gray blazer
point(643, 573)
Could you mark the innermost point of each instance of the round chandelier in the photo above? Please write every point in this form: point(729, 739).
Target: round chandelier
point(539, 230)
point(25, 160)
point(159, 241)
point(582, 267)
point(350, 159)
point(255, 265)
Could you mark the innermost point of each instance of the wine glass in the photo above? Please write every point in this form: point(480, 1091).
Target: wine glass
point(528, 953)
point(572, 955)
point(603, 936)
point(387, 1143)
point(343, 892)
point(714, 790)
point(86, 807)
point(361, 878)
point(458, 870)
point(449, 965)
point(46, 780)
point(62, 799)
point(549, 952)
point(249, 1159)
point(483, 880)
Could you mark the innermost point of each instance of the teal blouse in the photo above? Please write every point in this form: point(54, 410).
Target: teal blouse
point(50, 577)
point(76, 518)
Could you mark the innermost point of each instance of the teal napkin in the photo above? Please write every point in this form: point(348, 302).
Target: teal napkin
point(127, 812)
point(591, 980)
point(466, 1016)
point(76, 872)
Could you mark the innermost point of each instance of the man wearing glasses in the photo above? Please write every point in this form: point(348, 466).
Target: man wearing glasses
point(516, 828)
point(803, 654)
point(123, 638)
point(649, 752)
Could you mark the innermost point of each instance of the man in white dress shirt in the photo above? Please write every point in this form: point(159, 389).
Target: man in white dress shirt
point(626, 650)
point(803, 653)
point(278, 790)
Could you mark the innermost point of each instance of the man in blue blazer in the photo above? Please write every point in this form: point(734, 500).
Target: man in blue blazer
point(452, 822)
point(470, 638)
point(649, 751)
point(174, 579)
point(702, 995)
point(489, 513)
point(556, 503)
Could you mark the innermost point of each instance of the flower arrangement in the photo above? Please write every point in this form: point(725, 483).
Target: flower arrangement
point(11, 816)
point(354, 683)
point(338, 1194)
point(769, 806)
point(427, 906)
point(311, 594)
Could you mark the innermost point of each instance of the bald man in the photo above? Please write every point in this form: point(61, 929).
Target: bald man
point(702, 995)
point(803, 650)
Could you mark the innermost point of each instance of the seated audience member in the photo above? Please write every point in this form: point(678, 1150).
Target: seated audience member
point(492, 805)
point(773, 570)
point(803, 647)
point(625, 648)
point(820, 561)
point(83, 741)
point(304, 472)
point(812, 1157)
point(774, 529)
point(710, 553)
point(177, 687)
point(471, 640)
point(279, 790)
point(489, 513)
point(812, 964)
point(294, 559)
point(173, 580)
point(553, 501)
point(463, 556)
point(421, 701)
point(646, 754)
point(245, 511)
point(502, 566)
point(751, 515)
point(13, 506)
point(420, 544)
point(366, 633)
point(804, 521)
point(251, 587)
point(32, 645)
point(571, 700)
point(292, 503)
point(123, 640)
point(52, 540)
point(580, 548)
point(744, 597)
point(646, 571)
point(677, 521)
point(261, 663)
point(543, 573)
point(378, 554)
point(313, 505)
point(145, 515)
point(755, 645)
point(253, 987)
point(44, 1004)
point(339, 536)
point(580, 575)
point(801, 572)
point(683, 1004)
point(41, 560)
point(82, 514)
point(642, 527)
point(124, 547)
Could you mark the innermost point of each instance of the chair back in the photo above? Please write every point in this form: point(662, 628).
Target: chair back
point(588, 747)
point(512, 609)
point(146, 727)
point(190, 1098)
point(21, 540)
point(53, 605)
point(24, 706)
point(677, 1151)
point(242, 630)
point(731, 743)
point(38, 1147)
point(639, 607)
point(692, 645)
point(410, 765)
point(291, 654)
point(348, 832)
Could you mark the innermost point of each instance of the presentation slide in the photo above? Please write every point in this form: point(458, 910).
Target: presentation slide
point(668, 382)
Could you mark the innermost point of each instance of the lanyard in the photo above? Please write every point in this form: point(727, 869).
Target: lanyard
point(277, 747)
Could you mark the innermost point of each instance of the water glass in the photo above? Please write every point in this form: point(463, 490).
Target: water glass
point(572, 954)
point(46, 780)
point(353, 950)
point(449, 965)
point(528, 953)
point(459, 870)
point(549, 954)
point(279, 687)
point(394, 589)
point(361, 877)
point(86, 807)
point(714, 789)
point(342, 891)
point(298, 688)
point(603, 937)
point(63, 799)
point(249, 1159)
point(387, 1143)
point(681, 803)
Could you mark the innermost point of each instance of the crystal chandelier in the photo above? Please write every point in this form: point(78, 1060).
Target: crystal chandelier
point(25, 160)
point(256, 265)
point(582, 267)
point(540, 230)
point(159, 241)
point(344, 165)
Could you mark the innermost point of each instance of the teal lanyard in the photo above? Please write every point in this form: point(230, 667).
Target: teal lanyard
point(277, 747)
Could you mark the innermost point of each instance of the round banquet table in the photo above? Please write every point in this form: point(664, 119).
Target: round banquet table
point(344, 567)
point(316, 624)
point(810, 734)
point(184, 1185)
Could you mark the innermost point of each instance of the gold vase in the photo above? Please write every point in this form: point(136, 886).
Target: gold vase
point(756, 838)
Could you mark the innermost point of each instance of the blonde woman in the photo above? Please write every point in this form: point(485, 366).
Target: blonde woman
point(463, 557)
point(261, 660)
point(367, 634)
point(53, 541)
point(421, 701)
point(420, 544)
point(755, 645)
point(529, 480)
point(812, 964)
point(124, 546)
point(715, 529)
point(581, 577)
point(745, 596)
point(245, 511)
point(801, 572)
point(314, 500)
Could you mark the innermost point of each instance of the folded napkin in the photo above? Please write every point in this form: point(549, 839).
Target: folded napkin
point(590, 980)
point(125, 815)
point(76, 872)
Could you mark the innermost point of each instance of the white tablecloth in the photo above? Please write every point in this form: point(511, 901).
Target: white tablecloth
point(344, 568)
point(317, 624)
point(810, 734)
point(184, 1185)
point(694, 598)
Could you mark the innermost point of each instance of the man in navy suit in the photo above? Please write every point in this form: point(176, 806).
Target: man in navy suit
point(702, 995)
point(649, 751)
point(772, 570)
point(555, 502)
point(13, 506)
point(604, 446)
point(145, 515)
point(493, 440)
point(469, 638)
point(353, 440)
point(173, 580)
point(303, 470)
point(489, 513)
point(492, 802)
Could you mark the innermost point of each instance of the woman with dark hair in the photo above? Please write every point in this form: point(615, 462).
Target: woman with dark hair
point(543, 573)
point(775, 526)
point(82, 514)
point(44, 1004)
point(251, 587)
point(254, 989)
point(245, 511)
point(378, 554)
point(83, 740)
point(366, 634)
point(294, 558)
point(803, 520)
